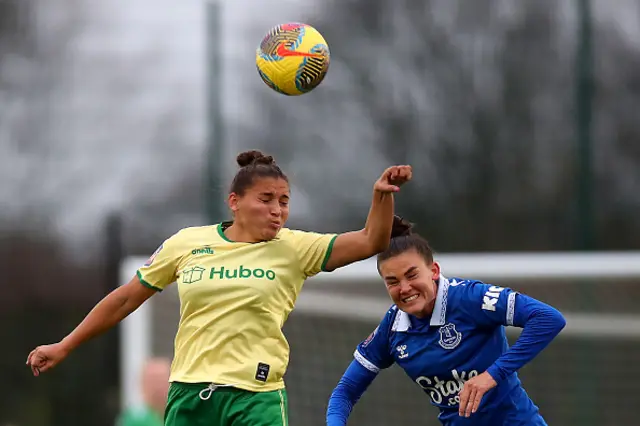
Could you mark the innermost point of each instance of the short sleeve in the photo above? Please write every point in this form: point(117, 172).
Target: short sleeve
point(373, 352)
point(313, 250)
point(489, 305)
point(161, 268)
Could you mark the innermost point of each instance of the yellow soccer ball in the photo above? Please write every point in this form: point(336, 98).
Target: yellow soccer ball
point(293, 59)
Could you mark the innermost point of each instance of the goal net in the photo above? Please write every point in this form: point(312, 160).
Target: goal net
point(588, 376)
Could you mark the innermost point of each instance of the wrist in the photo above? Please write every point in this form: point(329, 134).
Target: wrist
point(67, 345)
point(495, 373)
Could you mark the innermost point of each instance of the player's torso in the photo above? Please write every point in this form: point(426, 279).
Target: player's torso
point(223, 277)
point(234, 299)
point(441, 358)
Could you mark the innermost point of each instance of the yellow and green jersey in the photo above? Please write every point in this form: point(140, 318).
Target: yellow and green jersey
point(234, 300)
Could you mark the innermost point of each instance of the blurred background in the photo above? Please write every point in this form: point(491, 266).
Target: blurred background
point(120, 122)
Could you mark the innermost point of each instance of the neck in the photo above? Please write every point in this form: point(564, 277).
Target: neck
point(239, 235)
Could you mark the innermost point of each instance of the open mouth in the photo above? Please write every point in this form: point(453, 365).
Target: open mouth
point(410, 298)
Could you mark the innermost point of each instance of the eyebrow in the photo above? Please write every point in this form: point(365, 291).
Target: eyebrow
point(272, 194)
point(407, 272)
point(411, 270)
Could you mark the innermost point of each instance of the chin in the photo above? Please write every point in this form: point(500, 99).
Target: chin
point(270, 234)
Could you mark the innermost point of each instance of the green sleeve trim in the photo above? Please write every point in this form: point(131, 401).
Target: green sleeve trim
point(328, 254)
point(145, 283)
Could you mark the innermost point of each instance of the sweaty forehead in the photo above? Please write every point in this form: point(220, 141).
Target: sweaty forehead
point(270, 185)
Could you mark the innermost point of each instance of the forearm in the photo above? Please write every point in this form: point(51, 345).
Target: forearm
point(380, 220)
point(106, 314)
point(350, 388)
point(541, 327)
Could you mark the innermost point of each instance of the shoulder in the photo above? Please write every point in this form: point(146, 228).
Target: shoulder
point(296, 236)
point(287, 234)
point(465, 288)
point(461, 292)
point(192, 235)
point(394, 320)
point(382, 334)
point(472, 295)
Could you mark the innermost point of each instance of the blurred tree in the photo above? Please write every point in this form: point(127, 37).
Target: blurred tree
point(478, 96)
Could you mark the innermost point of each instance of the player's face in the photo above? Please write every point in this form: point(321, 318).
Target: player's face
point(263, 209)
point(411, 282)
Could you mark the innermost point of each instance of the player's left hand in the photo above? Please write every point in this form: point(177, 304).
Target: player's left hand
point(472, 393)
point(393, 178)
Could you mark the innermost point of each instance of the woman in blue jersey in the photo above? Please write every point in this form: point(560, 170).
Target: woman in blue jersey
point(448, 336)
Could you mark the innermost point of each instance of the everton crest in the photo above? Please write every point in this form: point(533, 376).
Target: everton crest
point(449, 337)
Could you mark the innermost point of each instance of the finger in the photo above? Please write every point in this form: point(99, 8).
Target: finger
point(476, 401)
point(30, 356)
point(387, 188)
point(35, 370)
point(464, 399)
point(407, 172)
point(388, 174)
point(402, 174)
point(469, 405)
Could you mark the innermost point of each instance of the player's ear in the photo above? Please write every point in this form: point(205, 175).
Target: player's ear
point(435, 270)
point(232, 200)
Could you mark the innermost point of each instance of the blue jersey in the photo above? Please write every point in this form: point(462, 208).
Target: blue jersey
point(464, 337)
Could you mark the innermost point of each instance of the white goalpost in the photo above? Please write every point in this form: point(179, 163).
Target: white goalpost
point(325, 296)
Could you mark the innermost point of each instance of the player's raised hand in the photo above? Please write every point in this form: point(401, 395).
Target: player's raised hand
point(46, 357)
point(392, 178)
point(472, 393)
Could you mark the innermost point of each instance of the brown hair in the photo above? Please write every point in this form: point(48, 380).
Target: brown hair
point(254, 164)
point(402, 240)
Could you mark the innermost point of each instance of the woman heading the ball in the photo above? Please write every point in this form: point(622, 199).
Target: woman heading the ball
point(237, 281)
point(448, 336)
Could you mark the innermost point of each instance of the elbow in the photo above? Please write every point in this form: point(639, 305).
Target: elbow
point(555, 321)
point(560, 321)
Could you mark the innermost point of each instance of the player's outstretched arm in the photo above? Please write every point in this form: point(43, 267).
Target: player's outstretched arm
point(374, 237)
point(540, 322)
point(350, 388)
point(106, 314)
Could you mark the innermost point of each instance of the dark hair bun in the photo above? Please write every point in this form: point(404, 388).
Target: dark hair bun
point(400, 227)
point(248, 158)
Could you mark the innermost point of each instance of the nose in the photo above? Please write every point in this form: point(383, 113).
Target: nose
point(405, 287)
point(276, 211)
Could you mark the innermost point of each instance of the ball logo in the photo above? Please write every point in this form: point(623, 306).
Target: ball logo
point(283, 51)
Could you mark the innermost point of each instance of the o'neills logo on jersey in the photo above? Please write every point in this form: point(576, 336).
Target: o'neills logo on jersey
point(202, 250)
point(222, 273)
point(440, 390)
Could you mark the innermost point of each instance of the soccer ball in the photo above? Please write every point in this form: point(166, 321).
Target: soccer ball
point(293, 59)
